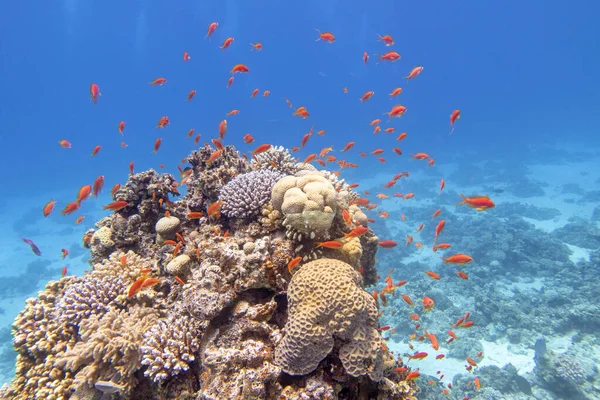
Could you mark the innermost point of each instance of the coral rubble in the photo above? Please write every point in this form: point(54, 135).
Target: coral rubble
point(205, 307)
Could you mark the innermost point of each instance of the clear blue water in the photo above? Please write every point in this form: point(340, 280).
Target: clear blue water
point(523, 74)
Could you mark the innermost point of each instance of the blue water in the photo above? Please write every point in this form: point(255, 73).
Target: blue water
point(524, 75)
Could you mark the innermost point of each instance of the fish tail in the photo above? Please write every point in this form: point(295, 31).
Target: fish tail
point(464, 200)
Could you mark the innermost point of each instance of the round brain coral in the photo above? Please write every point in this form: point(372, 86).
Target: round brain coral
point(309, 203)
point(326, 301)
point(246, 194)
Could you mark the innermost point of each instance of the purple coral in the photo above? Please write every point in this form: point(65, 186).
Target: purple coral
point(245, 195)
point(169, 347)
point(90, 295)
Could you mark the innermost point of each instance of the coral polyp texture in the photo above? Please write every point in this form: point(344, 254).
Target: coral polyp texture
point(191, 297)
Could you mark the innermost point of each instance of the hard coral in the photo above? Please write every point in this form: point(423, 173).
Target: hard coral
point(246, 194)
point(277, 159)
point(309, 203)
point(325, 302)
point(170, 347)
point(88, 296)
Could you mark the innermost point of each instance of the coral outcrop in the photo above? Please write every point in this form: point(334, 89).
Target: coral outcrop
point(193, 298)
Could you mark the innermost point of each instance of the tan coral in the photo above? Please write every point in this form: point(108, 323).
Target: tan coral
point(179, 266)
point(309, 203)
point(325, 300)
point(101, 240)
point(358, 215)
point(166, 227)
point(109, 343)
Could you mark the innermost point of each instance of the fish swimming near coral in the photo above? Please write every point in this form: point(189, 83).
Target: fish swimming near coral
point(34, 248)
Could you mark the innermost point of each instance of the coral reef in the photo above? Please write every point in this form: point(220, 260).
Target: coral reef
point(246, 194)
point(177, 307)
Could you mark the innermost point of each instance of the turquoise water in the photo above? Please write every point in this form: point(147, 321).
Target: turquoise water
point(523, 75)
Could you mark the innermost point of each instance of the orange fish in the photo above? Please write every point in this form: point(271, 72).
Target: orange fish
point(157, 145)
point(186, 56)
point(293, 263)
point(131, 166)
point(261, 149)
point(389, 56)
point(414, 73)
point(395, 92)
point(84, 193)
point(64, 144)
point(116, 206)
point(222, 129)
point(96, 150)
point(216, 154)
point(241, 68)
point(136, 287)
point(402, 136)
point(412, 376)
point(254, 93)
point(386, 39)
point(441, 246)
point(397, 111)
point(79, 219)
point(214, 209)
point(191, 95)
point(365, 57)
point(163, 121)
point(433, 275)
point(229, 81)
point(212, 28)
point(458, 259)
point(248, 138)
point(438, 229)
point(94, 92)
point(356, 232)
point(302, 112)
point(367, 95)
point(65, 253)
point(266, 93)
point(121, 127)
point(407, 299)
point(453, 117)
point(462, 275)
point(480, 203)
point(64, 272)
point(442, 185)
point(326, 36)
point(256, 46)
point(428, 303)
point(114, 189)
point(98, 185)
point(49, 207)
point(158, 81)
point(387, 244)
point(332, 244)
point(227, 43)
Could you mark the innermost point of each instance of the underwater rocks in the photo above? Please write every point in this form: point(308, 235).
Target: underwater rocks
point(579, 232)
point(182, 302)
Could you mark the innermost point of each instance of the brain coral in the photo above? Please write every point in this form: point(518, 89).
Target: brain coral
point(326, 301)
point(309, 203)
point(246, 194)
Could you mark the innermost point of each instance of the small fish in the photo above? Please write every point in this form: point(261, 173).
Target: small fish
point(64, 144)
point(256, 46)
point(453, 117)
point(211, 29)
point(226, 43)
point(48, 207)
point(33, 246)
point(326, 37)
point(458, 259)
point(387, 244)
point(239, 68)
point(94, 92)
point(158, 81)
point(293, 263)
point(116, 206)
point(65, 253)
point(480, 203)
point(331, 244)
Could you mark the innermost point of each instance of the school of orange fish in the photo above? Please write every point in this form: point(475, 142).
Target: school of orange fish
point(323, 158)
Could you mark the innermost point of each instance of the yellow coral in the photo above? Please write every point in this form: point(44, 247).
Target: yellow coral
point(325, 300)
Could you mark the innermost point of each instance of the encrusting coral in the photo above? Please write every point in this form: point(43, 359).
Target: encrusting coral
point(193, 298)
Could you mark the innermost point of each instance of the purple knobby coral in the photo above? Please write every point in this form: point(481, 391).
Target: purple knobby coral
point(245, 195)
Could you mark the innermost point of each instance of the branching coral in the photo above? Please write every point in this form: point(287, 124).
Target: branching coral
point(170, 347)
point(277, 159)
point(110, 343)
point(246, 194)
point(88, 296)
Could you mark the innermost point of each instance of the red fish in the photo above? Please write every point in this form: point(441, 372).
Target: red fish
point(239, 68)
point(453, 117)
point(94, 92)
point(157, 145)
point(212, 28)
point(480, 203)
point(158, 81)
point(227, 43)
point(326, 36)
point(98, 185)
point(49, 207)
point(414, 73)
point(458, 259)
point(121, 127)
point(96, 150)
point(116, 206)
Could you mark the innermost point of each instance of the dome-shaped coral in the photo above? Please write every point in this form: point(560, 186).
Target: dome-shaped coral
point(245, 195)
